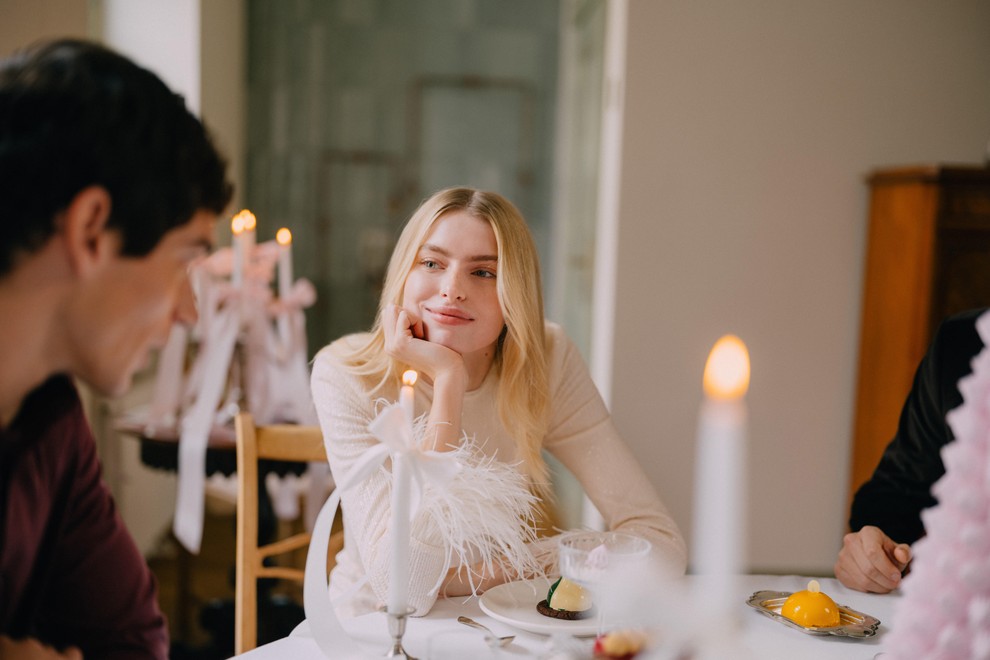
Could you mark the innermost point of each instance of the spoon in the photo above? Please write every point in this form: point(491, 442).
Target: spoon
point(490, 636)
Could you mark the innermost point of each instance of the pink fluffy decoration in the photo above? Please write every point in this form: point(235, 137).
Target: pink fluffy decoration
point(945, 609)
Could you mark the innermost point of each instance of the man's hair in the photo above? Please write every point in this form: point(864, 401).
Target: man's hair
point(75, 114)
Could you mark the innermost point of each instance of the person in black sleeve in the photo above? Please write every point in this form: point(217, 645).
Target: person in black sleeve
point(885, 516)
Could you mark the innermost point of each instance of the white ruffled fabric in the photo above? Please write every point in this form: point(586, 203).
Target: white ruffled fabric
point(483, 518)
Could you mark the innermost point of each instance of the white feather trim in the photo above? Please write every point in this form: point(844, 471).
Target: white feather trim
point(484, 518)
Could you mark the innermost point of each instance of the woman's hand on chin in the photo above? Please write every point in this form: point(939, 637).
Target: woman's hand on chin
point(404, 341)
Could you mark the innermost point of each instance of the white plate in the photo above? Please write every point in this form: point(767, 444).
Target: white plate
point(514, 603)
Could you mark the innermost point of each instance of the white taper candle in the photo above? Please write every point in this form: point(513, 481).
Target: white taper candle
point(398, 577)
point(719, 502)
point(237, 249)
point(284, 239)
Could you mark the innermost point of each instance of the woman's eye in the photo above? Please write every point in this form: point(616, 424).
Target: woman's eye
point(485, 273)
point(429, 263)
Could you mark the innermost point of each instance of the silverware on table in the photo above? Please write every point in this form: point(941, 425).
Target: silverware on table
point(489, 635)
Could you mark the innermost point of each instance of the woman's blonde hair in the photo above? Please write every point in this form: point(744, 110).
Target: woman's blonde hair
point(521, 358)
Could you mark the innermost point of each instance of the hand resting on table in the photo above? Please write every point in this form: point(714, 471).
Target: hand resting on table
point(871, 561)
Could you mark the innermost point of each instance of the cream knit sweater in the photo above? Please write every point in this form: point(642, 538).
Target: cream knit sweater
point(580, 435)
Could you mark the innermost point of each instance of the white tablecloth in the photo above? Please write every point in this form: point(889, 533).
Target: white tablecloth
point(761, 636)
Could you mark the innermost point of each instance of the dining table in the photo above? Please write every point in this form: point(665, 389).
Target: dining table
point(749, 631)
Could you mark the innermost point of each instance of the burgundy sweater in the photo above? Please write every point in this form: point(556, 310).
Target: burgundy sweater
point(70, 573)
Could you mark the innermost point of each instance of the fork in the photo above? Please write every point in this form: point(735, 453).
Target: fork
point(500, 642)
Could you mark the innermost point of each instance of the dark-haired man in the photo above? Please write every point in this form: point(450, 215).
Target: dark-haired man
point(110, 190)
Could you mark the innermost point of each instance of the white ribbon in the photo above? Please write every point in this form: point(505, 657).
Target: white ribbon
point(196, 426)
point(168, 381)
point(330, 636)
point(396, 438)
point(275, 389)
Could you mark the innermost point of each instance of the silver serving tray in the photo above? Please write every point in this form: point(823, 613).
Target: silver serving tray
point(851, 623)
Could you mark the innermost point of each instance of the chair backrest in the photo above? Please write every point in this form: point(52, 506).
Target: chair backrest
point(284, 442)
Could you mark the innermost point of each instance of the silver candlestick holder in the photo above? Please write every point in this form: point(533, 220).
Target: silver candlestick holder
point(397, 628)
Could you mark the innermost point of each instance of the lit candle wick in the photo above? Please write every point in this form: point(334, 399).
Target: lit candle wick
point(727, 369)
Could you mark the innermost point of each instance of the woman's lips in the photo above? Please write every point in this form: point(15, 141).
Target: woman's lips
point(449, 316)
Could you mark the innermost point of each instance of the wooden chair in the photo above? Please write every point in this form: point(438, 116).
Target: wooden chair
point(284, 442)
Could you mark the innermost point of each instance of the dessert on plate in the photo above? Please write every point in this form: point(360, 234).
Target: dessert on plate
point(566, 600)
point(811, 608)
point(620, 644)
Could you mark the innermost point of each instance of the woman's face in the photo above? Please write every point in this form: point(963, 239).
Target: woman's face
point(452, 286)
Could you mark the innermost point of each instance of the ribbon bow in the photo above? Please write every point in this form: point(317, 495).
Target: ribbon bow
point(397, 438)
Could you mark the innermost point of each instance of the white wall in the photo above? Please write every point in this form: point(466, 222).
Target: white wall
point(749, 129)
point(162, 36)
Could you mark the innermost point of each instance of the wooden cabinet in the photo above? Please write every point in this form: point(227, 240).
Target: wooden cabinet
point(928, 256)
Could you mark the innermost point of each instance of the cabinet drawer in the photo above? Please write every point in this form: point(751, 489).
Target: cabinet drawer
point(965, 207)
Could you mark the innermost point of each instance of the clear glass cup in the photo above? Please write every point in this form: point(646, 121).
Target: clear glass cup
point(607, 564)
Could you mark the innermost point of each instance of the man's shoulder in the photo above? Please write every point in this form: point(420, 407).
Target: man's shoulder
point(59, 387)
point(51, 424)
point(964, 321)
point(53, 400)
point(957, 336)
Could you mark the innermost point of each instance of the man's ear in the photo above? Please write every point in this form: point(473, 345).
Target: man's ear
point(84, 226)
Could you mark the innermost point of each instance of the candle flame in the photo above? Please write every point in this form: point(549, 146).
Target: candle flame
point(283, 236)
point(237, 224)
point(409, 378)
point(250, 222)
point(727, 369)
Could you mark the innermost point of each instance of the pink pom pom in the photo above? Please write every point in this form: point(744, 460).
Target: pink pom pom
point(980, 646)
point(951, 606)
point(976, 575)
point(909, 644)
point(973, 504)
point(945, 609)
point(975, 537)
point(952, 643)
point(978, 615)
point(924, 621)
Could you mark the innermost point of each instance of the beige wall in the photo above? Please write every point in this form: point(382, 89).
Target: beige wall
point(749, 129)
point(224, 84)
point(25, 21)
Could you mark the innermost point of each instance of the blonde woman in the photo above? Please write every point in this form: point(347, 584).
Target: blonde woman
point(462, 305)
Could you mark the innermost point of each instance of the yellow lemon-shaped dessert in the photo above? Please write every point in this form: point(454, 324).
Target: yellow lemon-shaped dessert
point(569, 596)
point(811, 608)
point(566, 600)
